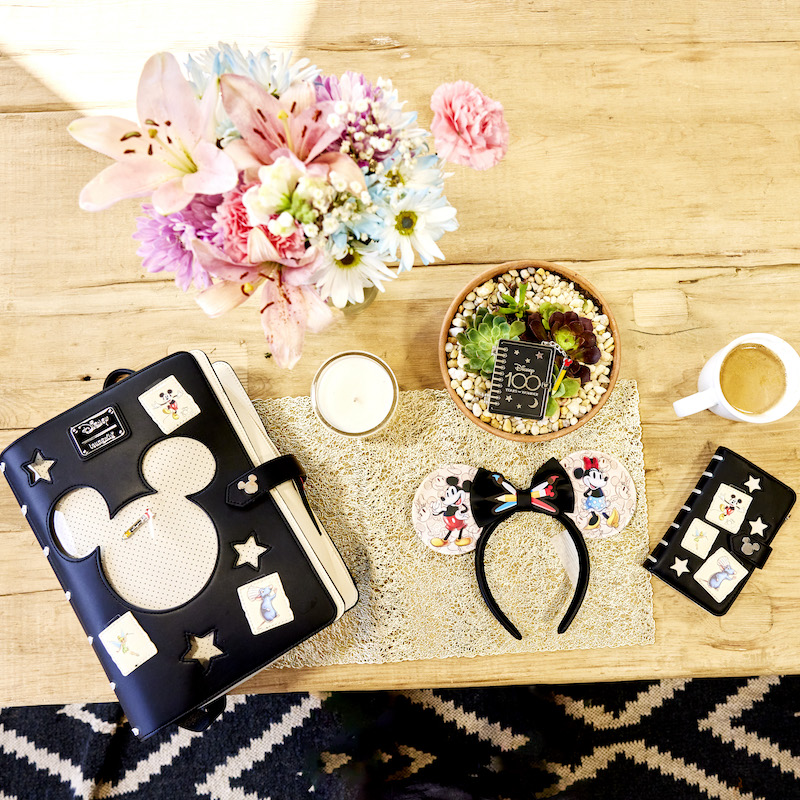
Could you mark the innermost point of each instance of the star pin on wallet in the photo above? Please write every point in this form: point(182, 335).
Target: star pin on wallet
point(181, 537)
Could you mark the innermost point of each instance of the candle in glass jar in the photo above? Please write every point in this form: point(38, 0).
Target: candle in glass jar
point(354, 393)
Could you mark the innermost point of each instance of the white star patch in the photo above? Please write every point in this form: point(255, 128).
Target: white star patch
point(202, 649)
point(752, 484)
point(680, 566)
point(516, 352)
point(39, 468)
point(758, 526)
point(249, 552)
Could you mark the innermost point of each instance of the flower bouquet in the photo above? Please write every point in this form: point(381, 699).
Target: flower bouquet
point(268, 178)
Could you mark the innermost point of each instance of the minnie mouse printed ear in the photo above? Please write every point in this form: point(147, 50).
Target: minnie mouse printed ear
point(442, 511)
point(605, 495)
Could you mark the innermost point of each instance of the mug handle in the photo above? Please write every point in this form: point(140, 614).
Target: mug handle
point(699, 401)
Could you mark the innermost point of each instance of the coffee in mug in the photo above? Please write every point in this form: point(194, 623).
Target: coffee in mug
point(752, 378)
point(755, 378)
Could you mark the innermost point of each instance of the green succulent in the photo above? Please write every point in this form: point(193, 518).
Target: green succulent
point(482, 334)
point(568, 387)
point(515, 304)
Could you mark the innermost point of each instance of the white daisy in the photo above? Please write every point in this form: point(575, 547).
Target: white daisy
point(416, 220)
point(344, 279)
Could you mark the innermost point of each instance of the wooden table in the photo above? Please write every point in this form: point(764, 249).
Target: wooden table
point(654, 148)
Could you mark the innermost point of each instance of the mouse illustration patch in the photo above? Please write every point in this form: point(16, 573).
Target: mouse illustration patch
point(605, 495)
point(169, 404)
point(441, 510)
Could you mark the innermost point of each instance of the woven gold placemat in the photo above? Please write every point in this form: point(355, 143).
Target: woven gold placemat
point(416, 603)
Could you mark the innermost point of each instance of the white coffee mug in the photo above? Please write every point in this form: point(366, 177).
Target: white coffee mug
point(709, 395)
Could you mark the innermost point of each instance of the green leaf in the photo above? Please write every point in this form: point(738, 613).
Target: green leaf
point(560, 391)
point(508, 298)
point(552, 407)
point(484, 329)
point(516, 329)
point(571, 387)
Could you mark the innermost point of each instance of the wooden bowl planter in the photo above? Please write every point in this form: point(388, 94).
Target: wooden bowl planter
point(585, 288)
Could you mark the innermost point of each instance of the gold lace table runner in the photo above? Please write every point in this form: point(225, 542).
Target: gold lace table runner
point(416, 603)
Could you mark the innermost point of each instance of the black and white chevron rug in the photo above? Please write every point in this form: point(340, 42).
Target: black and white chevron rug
point(726, 738)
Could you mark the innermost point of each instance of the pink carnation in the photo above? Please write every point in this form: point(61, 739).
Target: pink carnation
point(469, 128)
point(230, 219)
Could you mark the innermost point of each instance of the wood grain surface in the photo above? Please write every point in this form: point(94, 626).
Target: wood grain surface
point(655, 149)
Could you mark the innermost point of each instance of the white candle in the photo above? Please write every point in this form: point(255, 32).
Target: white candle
point(354, 393)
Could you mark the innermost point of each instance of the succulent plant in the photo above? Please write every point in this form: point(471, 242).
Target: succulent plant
point(573, 334)
point(515, 305)
point(481, 336)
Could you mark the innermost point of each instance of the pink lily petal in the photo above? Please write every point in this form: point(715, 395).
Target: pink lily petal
point(216, 263)
point(283, 318)
point(165, 97)
point(260, 248)
point(134, 178)
point(311, 133)
point(254, 112)
point(302, 272)
point(171, 196)
point(242, 156)
point(344, 166)
point(221, 297)
point(216, 172)
point(320, 314)
point(110, 136)
point(298, 97)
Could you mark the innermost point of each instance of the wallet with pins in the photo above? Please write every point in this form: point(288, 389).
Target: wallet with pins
point(723, 532)
point(181, 537)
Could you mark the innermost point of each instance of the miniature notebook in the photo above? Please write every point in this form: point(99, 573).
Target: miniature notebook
point(722, 532)
point(181, 537)
point(521, 379)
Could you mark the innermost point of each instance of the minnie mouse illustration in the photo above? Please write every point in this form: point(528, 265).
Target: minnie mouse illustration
point(455, 508)
point(595, 500)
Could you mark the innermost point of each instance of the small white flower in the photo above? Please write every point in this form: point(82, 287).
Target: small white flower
point(338, 182)
point(361, 105)
point(340, 107)
point(283, 225)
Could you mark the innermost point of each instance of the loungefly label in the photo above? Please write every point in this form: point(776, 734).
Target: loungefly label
point(169, 404)
point(98, 432)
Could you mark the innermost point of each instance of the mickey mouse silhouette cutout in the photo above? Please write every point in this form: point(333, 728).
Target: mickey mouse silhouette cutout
point(166, 562)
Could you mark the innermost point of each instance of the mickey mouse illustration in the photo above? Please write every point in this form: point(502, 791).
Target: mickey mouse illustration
point(169, 402)
point(729, 505)
point(454, 506)
point(595, 500)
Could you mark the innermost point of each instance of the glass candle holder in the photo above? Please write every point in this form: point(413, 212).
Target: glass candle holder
point(354, 393)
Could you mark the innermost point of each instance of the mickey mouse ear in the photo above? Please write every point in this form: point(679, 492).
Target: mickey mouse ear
point(605, 499)
point(441, 512)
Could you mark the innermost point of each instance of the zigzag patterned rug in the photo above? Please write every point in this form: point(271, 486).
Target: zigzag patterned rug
point(676, 739)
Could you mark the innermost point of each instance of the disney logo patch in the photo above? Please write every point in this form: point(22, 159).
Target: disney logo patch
point(98, 432)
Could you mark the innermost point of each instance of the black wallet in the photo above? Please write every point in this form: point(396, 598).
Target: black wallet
point(722, 532)
point(181, 537)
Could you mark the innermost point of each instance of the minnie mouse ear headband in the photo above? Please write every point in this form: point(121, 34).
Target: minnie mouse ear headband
point(458, 507)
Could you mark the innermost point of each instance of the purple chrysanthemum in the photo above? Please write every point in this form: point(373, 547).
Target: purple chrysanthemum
point(166, 241)
point(369, 114)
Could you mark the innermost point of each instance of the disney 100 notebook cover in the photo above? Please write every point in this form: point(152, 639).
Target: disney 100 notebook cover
point(177, 547)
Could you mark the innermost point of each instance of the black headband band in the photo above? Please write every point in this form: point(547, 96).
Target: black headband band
point(493, 499)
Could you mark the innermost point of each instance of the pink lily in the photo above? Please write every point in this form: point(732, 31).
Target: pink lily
point(288, 309)
point(270, 126)
point(170, 153)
